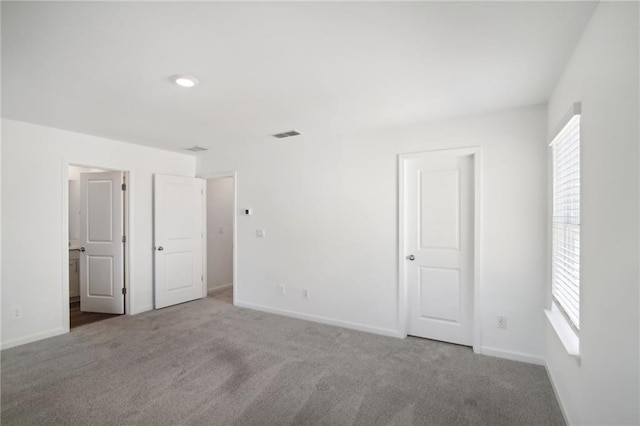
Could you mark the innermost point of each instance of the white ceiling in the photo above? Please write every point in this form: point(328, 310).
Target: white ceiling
point(103, 68)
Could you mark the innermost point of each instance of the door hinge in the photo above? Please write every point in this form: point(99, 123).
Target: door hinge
point(124, 290)
point(124, 238)
point(202, 192)
point(124, 186)
point(201, 277)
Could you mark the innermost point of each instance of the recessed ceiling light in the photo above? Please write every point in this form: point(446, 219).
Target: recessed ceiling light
point(184, 80)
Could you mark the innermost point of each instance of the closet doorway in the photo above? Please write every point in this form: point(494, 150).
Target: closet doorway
point(97, 244)
point(220, 252)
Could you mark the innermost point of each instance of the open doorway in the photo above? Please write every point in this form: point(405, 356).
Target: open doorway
point(220, 237)
point(97, 217)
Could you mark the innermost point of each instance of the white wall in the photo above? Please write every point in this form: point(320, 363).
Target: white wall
point(219, 232)
point(328, 203)
point(33, 229)
point(603, 75)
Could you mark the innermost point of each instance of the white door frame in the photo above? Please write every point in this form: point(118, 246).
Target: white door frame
point(219, 175)
point(128, 216)
point(403, 309)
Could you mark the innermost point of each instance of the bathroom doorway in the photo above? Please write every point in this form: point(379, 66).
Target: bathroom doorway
point(97, 244)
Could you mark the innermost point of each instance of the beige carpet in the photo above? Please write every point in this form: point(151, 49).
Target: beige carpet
point(207, 362)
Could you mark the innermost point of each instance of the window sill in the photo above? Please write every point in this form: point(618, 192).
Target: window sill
point(569, 340)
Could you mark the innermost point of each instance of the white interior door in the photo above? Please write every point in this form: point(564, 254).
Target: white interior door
point(439, 208)
point(178, 239)
point(102, 251)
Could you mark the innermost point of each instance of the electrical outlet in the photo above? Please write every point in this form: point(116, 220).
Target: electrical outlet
point(502, 322)
point(282, 290)
point(260, 233)
point(16, 312)
point(305, 293)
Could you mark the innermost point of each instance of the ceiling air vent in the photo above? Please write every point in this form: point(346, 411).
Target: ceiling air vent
point(196, 148)
point(288, 134)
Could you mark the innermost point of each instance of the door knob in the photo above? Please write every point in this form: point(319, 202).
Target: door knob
point(411, 257)
point(160, 248)
point(82, 249)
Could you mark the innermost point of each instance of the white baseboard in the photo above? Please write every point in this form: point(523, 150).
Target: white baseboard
point(321, 320)
point(141, 309)
point(514, 356)
point(561, 403)
point(219, 288)
point(33, 337)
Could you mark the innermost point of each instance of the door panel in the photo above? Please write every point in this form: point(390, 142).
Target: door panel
point(178, 239)
point(439, 209)
point(101, 232)
point(440, 294)
point(439, 234)
point(100, 210)
point(100, 272)
point(179, 270)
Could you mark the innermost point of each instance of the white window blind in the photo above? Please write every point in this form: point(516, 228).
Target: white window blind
point(565, 261)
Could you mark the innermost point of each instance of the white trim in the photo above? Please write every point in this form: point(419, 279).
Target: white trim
point(403, 310)
point(575, 109)
point(561, 402)
point(234, 175)
point(66, 309)
point(128, 231)
point(219, 288)
point(321, 320)
point(512, 355)
point(204, 238)
point(570, 341)
point(35, 337)
point(477, 252)
point(142, 309)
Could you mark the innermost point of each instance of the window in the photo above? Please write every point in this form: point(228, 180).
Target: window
point(565, 246)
